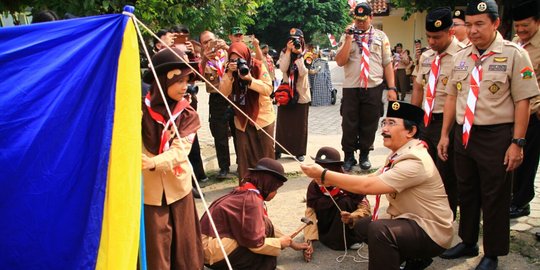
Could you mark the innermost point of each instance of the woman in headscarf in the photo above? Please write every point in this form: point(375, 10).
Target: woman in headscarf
point(292, 120)
point(249, 86)
point(247, 234)
point(328, 227)
point(171, 222)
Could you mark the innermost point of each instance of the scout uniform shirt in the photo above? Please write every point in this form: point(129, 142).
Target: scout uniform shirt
point(420, 192)
point(507, 78)
point(211, 73)
point(380, 56)
point(444, 71)
point(533, 48)
point(302, 82)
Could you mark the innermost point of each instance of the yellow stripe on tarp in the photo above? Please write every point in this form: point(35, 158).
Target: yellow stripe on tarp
point(121, 219)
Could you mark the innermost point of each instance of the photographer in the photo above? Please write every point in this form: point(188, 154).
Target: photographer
point(249, 86)
point(292, 119)
point(364, 53)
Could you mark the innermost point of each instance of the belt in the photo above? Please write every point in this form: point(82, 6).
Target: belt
point(437, 116)
point(361, 88)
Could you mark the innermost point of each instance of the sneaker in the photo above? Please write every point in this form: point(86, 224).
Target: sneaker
point(223, 173)
point(355, 246)
point(205, 179)
point(300, 158)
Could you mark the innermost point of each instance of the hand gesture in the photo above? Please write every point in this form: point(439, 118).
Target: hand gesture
point(313, 171)
point(442, 148)
point(147, 163)
point(308, 252)
point(513, 157)
point(346, 218)
point(285, 241)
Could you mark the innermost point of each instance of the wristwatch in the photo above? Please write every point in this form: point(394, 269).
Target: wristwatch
point(392, 88)
point(519, 141)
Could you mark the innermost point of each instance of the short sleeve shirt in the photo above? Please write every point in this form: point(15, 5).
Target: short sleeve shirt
point(446, 66)
point(380, 56)
point(507, 77)
point(420, 192)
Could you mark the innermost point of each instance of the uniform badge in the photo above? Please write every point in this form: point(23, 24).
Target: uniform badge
point(423, 82)
point(493, 88)
point(526, 73)
point(445, 81)
point(360, 10)
point(500, 59)
point(212, 77)
point(457, 13)
point(497, 68)
point(438, 23)
point(458, 86)
point(481, 7)
point(173, 72)
point(395, 106)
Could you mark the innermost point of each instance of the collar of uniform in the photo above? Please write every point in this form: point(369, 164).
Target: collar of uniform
point(535, 40)
point(454, 47)
point(407, 147)
point(496, 46)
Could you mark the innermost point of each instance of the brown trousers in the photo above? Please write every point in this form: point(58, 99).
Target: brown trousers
point(484, 186)
point(393, 241)
point(292, 129)
point(173, 236)
point(402, 82)
point(446, 168)
point(253, 145)
point(361, 110)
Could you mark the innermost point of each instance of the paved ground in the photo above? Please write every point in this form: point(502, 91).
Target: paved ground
point(288, 206)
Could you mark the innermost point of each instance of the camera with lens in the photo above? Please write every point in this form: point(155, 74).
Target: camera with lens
point(297, 44)
point(353, 31)
point(242, 66)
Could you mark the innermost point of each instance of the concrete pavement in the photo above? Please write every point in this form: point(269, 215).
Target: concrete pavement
point(288, 206)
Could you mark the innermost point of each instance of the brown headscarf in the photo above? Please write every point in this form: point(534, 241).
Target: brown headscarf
point(187, 123)
point(239, 88)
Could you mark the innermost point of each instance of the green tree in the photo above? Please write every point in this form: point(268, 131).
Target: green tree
point(276, 18)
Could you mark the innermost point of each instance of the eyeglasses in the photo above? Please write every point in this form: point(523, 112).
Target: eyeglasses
point(459, 24)
point(389, 123)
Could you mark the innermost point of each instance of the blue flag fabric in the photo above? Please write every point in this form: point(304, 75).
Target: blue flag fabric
point(56, 118)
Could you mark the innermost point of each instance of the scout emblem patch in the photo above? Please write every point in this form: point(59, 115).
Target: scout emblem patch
point(445, 81)
point(457, 13)
point(395, 106)
point(481, 7)
point(438, 23)
point(494, 88)
point(526, 73)
point(173, 72)
point(458, 86)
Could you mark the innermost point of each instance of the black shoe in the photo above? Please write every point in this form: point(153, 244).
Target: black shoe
point(300, 158)
point(516, 212)
point(349, 161)
point(196, 193)
point(460, 250)
point(417, 264)
point(223, 173)
point(488, 263)
point(364, 162)
point(278, 155)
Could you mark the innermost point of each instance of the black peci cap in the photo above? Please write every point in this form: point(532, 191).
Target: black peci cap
point(405, 111)
point(476, 7)
point(459, 14)
point(362, 11)
point(439, 19)
point(525, 9)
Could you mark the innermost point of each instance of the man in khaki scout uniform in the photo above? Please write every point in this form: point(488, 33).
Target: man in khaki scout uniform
point(527, 23)
point(460, 31)
point(488, 96)
point(220, 112)
point(429, 92)
point(364, 53)
point(419, 221)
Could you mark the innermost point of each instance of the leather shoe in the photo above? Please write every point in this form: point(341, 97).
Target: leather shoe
point(417, 264)
point(196, 193)
point(516, 212)
point(278, 155)
point(349, 163)
point(488, 263)
point(223, 173)
point(460, 250)
point(538, 236)
point(364, 162)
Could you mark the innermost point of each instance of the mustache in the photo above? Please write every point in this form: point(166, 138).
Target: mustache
point(386, 135)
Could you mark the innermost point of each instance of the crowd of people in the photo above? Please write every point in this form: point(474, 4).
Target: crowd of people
point(471, 126)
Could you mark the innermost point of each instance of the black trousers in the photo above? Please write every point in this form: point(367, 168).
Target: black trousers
point(196, 160)
point(523, 189)
point(393, 241)
point(221, 125)
point(360, 109)
point(446, 169)
point(484, 186)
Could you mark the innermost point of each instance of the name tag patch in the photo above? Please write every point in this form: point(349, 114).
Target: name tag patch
point(461, 66)
point(497, 68)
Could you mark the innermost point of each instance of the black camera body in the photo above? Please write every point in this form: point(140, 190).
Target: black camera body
point(242, 66)
point(354, 31)
point(297, 44)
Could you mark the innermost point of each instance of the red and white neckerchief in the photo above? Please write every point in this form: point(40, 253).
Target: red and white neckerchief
point(218, 63)
point(250, 187)
point(472, 97)
point(165, 134)
point(431, 87)
point(364, 62)
point(334, 192)
point(375, 215)
point(291, 76)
